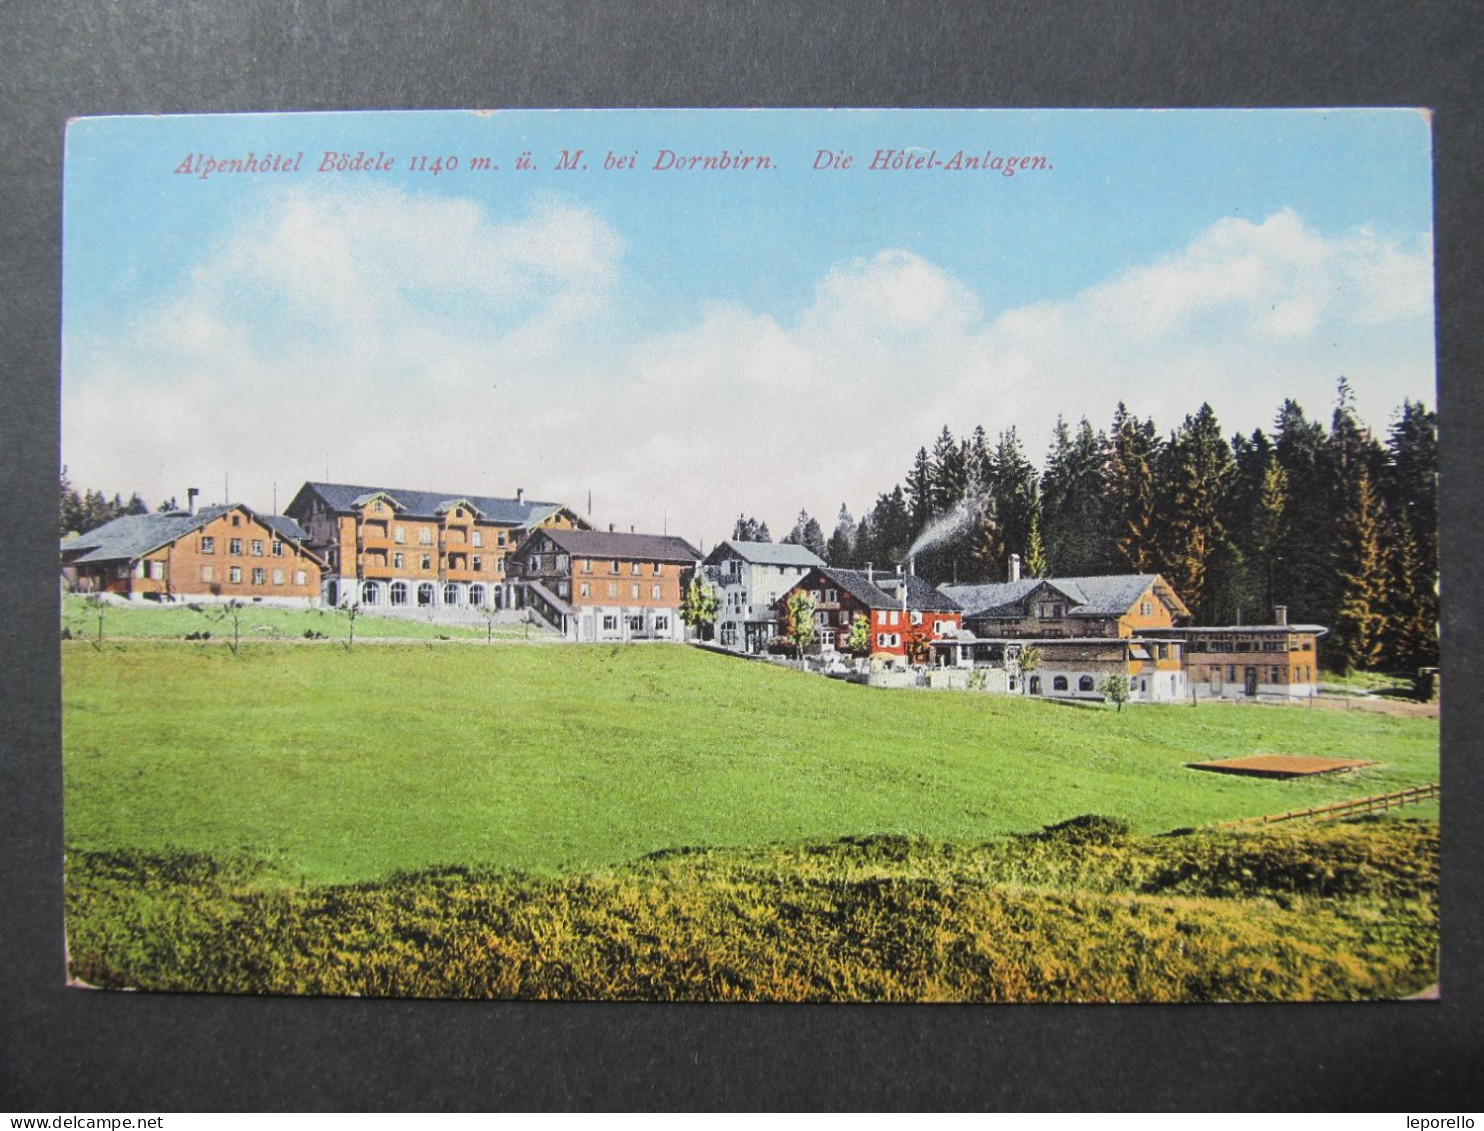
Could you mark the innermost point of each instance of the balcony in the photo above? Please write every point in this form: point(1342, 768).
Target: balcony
point(458, 575)
point(375, 542)
point(378, 572)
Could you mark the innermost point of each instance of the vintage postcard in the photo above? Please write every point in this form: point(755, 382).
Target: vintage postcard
point(978, 556)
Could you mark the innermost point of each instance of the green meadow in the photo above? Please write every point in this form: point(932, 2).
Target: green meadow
point(342, 765)
point(266, 622)
point(656, 822)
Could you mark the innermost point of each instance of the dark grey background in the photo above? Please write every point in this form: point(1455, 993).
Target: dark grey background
point(64, 1050)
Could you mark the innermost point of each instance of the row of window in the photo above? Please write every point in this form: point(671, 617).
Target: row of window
point(1302, 644)
point(234, 546)
point(561, 563)
point(426, 594)
point(259, 576)
point(1301, 673)
point(635, 623)
point(425, 536)
point(425, 562)
point(585, 589)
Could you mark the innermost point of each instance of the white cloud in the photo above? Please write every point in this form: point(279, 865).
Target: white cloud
point(428, 343)
point(741, 413)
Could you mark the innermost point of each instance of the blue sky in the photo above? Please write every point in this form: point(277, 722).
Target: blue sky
point(688, 345)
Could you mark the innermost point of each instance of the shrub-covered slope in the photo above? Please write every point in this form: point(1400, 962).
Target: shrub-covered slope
point(1078, 913)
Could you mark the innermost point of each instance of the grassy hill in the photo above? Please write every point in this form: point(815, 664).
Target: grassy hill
point(1080, 913)
point(340, 765)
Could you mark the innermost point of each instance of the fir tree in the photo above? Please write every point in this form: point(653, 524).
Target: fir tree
point(1303, 564)
point(1016, 499)
point(1073, 519)
point(1196, 554)
point(1269, 525)
point(1409, 487)
point(920, 491)
point(840, 550)
point(891, 531)
point(1412, 611)
point(1360, 625)
point(1133, 521)
point(748, 529)
point(950, 473)
point(1035, 553)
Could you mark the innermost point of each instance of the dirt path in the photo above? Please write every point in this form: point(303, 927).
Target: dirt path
point(1376, 704)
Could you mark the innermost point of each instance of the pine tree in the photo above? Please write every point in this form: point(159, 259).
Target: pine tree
point(1269, 525)
point(1196, 555)
point(813, 539)
point(1035, 553)
point(748, 529)
point(1409, 487)
point(1412, 610)
point(1073, 519)
point(71, 507)
point(950, 473)
point(1133, 521)
point(891, 531)
point(920, 491)
point(1016, 499)
point(1303, 562)
point(1360, 625)
point(840, 550)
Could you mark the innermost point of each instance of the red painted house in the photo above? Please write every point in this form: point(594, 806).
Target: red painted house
point(897, 609)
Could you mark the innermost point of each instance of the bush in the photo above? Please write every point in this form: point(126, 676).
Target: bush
point(1090, 828)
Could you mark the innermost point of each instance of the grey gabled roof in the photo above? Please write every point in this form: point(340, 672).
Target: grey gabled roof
point(342, 497)
point(1101, 595)
point(134, 535)
point(997, 598)
point(764, 553)
point(864, 588)
point(628, 547)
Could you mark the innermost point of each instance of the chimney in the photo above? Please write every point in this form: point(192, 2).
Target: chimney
point(1280, 614)
point(912, 567)
point(870, 574)
point(1014, 567)
point(631, 530)
point(520, 495)
point(610, 528)
point(191, 493)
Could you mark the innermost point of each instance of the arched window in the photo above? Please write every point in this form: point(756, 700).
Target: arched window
point(370, 593)
point(451, 594)
point(476, 596)
point(427, 593)
point(1059, 683)
point(1085, 683)
point(399, 592)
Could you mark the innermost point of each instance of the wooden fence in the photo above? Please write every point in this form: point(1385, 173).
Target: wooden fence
point(1373, 804)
